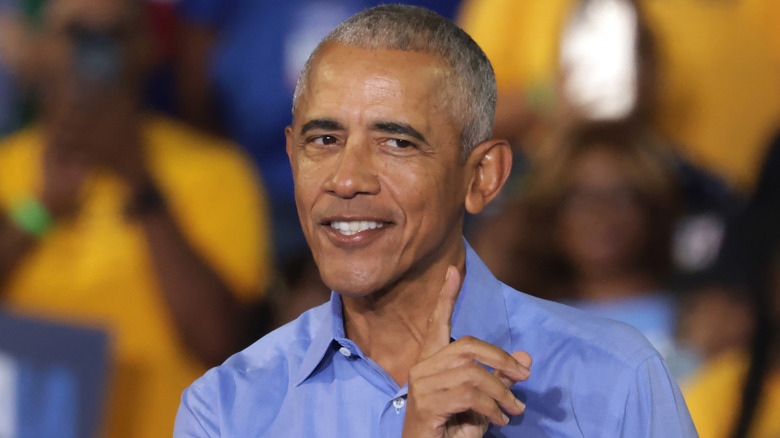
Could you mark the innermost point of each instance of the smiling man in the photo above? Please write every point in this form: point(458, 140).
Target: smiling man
point(390, 145)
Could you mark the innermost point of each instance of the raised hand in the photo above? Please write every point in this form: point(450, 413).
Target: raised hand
point(450, 393)
point(64, 170)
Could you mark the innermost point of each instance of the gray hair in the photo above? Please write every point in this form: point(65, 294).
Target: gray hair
point(471, 94)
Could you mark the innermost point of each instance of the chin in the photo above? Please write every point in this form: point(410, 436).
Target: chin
point(353, 282)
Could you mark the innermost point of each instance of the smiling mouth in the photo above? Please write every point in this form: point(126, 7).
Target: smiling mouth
point(349, 228)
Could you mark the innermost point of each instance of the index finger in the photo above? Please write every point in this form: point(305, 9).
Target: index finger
point(440, 320)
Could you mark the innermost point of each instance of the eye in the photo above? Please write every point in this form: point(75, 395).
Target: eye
point(324, 140)
point(398, 143)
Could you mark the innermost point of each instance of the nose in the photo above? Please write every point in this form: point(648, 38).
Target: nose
point(354, 173)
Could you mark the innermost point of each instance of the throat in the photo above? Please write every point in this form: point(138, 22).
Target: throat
point(398, 363)
point(391, 338)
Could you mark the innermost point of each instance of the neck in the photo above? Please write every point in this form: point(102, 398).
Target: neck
point(390, 326)
point(605, 286)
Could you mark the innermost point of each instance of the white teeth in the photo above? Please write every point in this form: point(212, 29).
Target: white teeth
point(354, 227)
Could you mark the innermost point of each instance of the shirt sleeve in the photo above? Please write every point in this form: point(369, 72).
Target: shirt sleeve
point(654, 406)
point(195, 418)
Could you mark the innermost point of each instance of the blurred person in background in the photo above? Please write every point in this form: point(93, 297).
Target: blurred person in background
point(716, 316)
point(593, 229)
point(9, 113)
point(237, 67)
point(589, 61)
point(14, 65)
point(716, 62)
point(737, 395)
point(126, 221)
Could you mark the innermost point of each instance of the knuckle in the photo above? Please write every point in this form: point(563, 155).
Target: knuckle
point(468, 340)
point(469, 397)
point(474, 370)
point(469, 344)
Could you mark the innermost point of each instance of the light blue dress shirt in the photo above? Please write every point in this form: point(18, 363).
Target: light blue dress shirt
point(591, 377)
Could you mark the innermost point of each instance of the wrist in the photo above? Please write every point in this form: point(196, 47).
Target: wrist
point(32, 217)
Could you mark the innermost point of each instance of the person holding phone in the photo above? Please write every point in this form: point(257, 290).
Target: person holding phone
point(114, 218)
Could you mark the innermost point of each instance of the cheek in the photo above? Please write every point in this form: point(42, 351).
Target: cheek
point(423, 192)
point(436, 210)
point(307, 176)
point(307, 185)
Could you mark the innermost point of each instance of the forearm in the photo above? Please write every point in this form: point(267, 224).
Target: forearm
point(206, 313)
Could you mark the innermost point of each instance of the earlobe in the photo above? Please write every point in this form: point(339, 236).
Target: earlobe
point(490, 164)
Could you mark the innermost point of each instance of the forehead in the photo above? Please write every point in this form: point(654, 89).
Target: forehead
point(349, 81)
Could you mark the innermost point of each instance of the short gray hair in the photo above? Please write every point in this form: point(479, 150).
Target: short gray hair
point(471, 93)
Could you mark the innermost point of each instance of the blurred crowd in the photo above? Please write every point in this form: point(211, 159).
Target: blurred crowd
point(145, 190)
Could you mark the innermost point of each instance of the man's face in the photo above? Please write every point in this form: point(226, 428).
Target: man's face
point(375, 158)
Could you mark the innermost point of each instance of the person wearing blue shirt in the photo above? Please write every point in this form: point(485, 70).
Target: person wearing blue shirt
point(390, 145)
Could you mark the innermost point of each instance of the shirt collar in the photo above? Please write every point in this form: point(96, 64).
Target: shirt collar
point(479, 312)
point(330, 329)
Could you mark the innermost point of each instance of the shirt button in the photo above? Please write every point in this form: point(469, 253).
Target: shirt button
point(399, 402)
point(345, 351)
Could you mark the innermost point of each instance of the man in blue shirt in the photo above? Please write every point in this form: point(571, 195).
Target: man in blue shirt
point(390, 145)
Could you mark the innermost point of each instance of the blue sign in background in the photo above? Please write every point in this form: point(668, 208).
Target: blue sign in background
point(61, 372)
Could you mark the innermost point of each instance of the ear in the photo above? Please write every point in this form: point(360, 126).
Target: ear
point(489, 163)
point(288, 134)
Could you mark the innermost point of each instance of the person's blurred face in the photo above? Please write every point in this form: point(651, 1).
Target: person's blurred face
point(89, 50)
point(601, 224)
point(375, 159)
point(92, 63)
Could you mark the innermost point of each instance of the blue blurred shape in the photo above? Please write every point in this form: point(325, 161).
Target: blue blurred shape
point(59, 371)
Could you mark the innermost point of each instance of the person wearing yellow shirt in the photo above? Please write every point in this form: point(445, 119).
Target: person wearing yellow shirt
point(134, 224)
point(717, 81)
point(737, 395)
point(714, 399)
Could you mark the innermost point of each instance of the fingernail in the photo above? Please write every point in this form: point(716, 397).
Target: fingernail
point(520, 404)
point(447, 274)
point(506, 419)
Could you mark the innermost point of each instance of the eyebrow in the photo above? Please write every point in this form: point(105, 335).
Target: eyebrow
point(386, 127)
point(324, 124)
point(398, 128)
